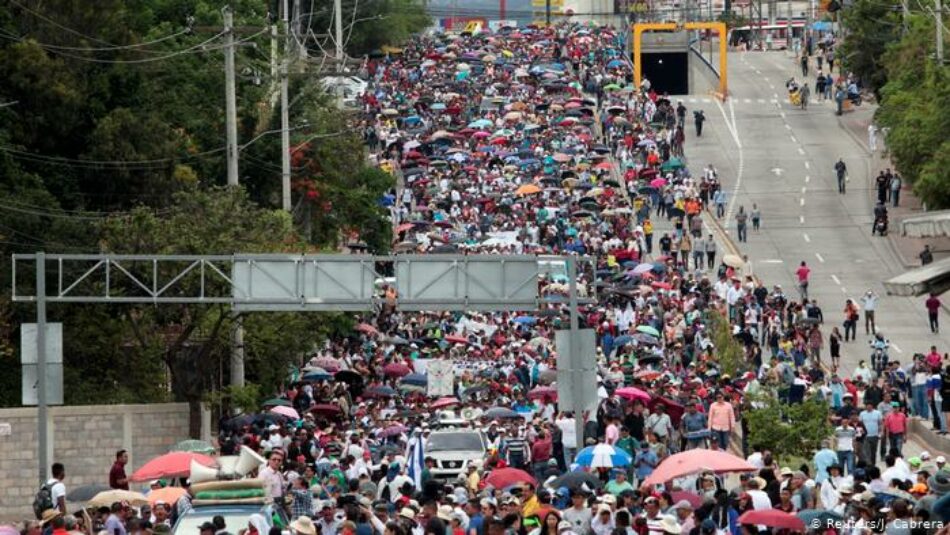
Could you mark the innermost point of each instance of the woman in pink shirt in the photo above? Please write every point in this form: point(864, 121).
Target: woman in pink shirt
point(721, 420)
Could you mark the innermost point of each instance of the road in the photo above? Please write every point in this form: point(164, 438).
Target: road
point(781, 158)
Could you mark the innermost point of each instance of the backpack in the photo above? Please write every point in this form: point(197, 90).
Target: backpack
point(43, 500)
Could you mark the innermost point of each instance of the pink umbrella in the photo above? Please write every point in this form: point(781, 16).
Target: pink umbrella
point(543, 392)
point(396, 370)
point(329, 364)
point(481, 134)
point(632, 393)
point(174, 464)
point(366, 328)
point(658, 182)
point(699, 460)
point(289, 412)
point(441, 403)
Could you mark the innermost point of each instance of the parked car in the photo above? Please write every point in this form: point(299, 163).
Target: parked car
point(235, 516)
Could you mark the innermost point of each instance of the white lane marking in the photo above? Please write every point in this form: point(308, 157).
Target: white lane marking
point(807, 179)
point(836, 279)
point(807, 165)
point(807, 239)
point(706, 100)
point(748, 101)
point(782, 114)
point(773, 101)
point(772, 261)
point(787, 126)
point(766, 78)
point(804, 189)
point(801, 151)
point(761, 101)
point(844, 290)
point(733, 130)
point(801, 219)
point(801, 202)
point(897, 347)
point(757, 71)
point(775, 95)
point(820, 258)
point(693, 100)
point(794, 140)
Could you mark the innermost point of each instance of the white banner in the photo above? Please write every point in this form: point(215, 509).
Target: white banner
point(441, 375)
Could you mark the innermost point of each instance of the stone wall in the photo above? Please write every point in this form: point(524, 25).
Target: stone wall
point(85, 439)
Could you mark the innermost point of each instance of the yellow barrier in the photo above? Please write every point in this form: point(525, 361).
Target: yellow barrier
point(641, 27)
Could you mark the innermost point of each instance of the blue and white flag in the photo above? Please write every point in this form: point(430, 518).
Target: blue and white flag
point(415, 459)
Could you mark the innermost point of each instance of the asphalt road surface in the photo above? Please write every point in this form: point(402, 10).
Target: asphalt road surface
point(781, 158)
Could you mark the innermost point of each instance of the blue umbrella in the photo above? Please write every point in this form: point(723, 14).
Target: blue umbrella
point(380, 392)
point(614, 64)
point(317, 376)
point(438, 106)
point(526, 320)
point(625, 339)
point(603, 455)
point(412, 119)
point(415, 379)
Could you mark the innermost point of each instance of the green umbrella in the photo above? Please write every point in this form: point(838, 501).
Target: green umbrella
point(194, 446)
point(611, 87)
point(648, 330)
point(278, 402)
point(671, 164)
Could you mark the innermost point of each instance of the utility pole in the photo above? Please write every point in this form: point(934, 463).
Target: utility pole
point(938, 15)
point(806, 35)
point(285, 122)
point(547, 12)
point(230, 97)
point(338, 20)
point(905, 6)
point(42, 435)
point(788, 28)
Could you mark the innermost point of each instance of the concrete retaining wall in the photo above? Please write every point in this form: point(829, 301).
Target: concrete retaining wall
point(85, 439)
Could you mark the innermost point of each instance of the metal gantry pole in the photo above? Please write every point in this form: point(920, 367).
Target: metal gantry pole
point(575, 358)
point(41, 405)
point(938, 15)
point(338, 19)
point(230, 97)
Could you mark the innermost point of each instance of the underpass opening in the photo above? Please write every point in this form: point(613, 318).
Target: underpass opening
point(668, 72)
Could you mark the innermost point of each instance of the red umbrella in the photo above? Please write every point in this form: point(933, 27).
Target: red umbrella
point(441, 403)
point(673, 409)
point(396, 370)
point(404, 227)
point(455, 339)
point(663, 285)
point(773, 518)
point(694, 499)
point(326, 408)
point(329, 364)
point(543, 392)
point(632, 393)
point(499, 141)
point(699, 460)
point(506, 477)
point(604, 166)
point(366, 328)
point(174, 464)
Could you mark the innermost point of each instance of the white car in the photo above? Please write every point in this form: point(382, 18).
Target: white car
point(453, 450)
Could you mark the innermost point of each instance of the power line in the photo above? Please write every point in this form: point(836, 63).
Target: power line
point(134, 47)
point(97, 164)
point(190, 49)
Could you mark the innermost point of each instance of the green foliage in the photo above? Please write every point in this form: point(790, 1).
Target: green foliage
point(729, 352)
point(384, 22)
point(246, 399)
point(913, 109)
point(788, 431)
point(871, 26)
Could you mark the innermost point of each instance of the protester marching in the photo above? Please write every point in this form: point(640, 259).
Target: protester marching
point(533, 141)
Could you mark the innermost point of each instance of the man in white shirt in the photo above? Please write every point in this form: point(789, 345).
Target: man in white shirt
point(273, 480)
point(756, 458)
point(567, 424)
point(869, 302)
point(58, 488)
point(760, 500)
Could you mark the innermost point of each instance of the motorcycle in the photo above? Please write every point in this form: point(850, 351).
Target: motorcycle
point(879, 357)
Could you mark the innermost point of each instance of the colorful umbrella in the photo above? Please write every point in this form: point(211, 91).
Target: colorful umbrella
point(109, 497)
point(648, 330)
point(773, 518)
point(168, 495)
point(174, 464)
point(505, 477)
point(442, 403)
point(366, 328)
point(632, 393)
point(289, 412)
point(396, 369)
point(326, 408)
point(543, 392)
point(699, 460)
point(603, 456)
point(277, 402)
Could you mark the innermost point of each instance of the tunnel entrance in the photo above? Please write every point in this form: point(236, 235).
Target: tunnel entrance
point(668, 72)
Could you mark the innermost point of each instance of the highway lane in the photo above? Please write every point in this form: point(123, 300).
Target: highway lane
point(781, 158)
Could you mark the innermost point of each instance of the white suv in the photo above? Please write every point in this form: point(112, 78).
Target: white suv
point(453, 450)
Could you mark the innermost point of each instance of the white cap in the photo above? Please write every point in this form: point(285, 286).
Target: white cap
point(924, 455)
point(940, 459)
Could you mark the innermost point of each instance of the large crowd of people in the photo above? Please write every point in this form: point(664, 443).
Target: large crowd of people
point(534, 141)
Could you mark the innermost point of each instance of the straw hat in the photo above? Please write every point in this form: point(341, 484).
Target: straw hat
point(304, 525)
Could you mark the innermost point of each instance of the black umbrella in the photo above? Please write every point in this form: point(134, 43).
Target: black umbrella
point(348, 376)
point(500, 412)
point(575, 480)
point(673, 212)
point(86, 492)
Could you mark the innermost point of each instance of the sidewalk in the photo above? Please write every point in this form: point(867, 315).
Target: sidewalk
point(855, 123)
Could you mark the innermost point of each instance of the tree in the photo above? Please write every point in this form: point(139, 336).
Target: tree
point(870, 25)
point(787, 431)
